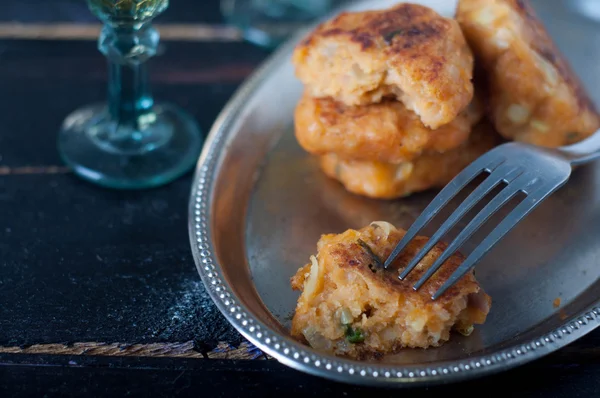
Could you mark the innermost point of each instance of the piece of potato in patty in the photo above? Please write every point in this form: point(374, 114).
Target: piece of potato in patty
point(431, 170)
point(408, 52)
point(535, 97)
point(385, 132)
point(351, 307)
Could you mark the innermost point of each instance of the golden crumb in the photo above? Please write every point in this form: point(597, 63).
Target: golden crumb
point(562, 314)
point(556, 302)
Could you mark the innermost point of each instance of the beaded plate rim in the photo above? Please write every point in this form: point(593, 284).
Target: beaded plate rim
point(304, 358)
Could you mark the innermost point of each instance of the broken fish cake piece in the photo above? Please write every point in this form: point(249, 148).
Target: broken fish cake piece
point(351, 307)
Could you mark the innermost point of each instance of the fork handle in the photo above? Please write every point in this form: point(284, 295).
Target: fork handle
point(582, 152)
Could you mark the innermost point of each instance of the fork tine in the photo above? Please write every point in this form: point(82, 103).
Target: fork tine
point(516, 215)
point(443, 197)
point(500, 174)
point(519, 184)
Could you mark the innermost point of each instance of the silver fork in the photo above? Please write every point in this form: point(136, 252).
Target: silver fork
point(534, 171)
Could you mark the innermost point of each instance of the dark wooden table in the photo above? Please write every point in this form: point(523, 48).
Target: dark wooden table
point(99, 294)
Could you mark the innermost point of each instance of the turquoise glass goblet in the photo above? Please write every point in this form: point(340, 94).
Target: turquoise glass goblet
point(130, 142)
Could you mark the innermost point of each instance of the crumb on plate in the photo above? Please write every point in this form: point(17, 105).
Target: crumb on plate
point(556, 302)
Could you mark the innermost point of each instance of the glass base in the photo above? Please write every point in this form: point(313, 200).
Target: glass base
point(123, 158)
point(268, 23)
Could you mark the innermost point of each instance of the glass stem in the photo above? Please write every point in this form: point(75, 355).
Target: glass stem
point(129, 96)
point(127, 49)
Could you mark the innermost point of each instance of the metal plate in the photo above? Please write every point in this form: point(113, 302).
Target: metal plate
point(259, 204)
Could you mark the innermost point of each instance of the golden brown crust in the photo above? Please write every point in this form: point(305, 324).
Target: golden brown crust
point(385, 132)
point(408, 52)
point(535, 95)
point(431, 170)
point(388, 313)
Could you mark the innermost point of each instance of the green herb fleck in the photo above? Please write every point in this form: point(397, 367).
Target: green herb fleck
point(289, 317)
point(389, 37)
point(354, 336)
point(572, 138)
point(377, 262)
point(338, 170)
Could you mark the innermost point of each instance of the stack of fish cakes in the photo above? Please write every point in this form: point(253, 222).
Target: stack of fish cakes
point(389, 104)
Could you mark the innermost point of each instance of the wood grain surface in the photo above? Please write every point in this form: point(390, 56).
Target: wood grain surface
point(90, 31)
point(187, 349)
point(86, 265)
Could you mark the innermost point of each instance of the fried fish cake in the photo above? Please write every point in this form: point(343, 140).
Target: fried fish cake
point(351, 307)
point(408, 52)
point(432, 170)
point(535, 95)
point(385, 132)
